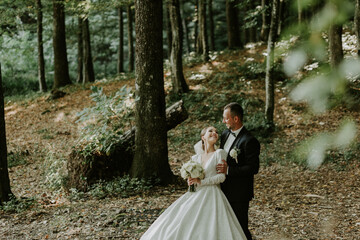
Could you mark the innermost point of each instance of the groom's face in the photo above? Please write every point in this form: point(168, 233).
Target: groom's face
point(228, 119)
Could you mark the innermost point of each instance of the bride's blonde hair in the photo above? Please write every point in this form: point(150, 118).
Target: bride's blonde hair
point(202, 133)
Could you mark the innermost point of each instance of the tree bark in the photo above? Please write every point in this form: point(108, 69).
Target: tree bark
point(269, 78)
point(5, 191)
point(178, 81)
point(61, 68)
point(150, 161)
point(357, 25)
point(120, 62)
point(80, 50)
point(185, 27)
point(232, 22)
point(266, 18)
point(41, 61)
point(88, 69)
point(168, 28)
point(130, 39)
point(211, 26)
point(196, 25)
point(335, 45)
point(203, 46)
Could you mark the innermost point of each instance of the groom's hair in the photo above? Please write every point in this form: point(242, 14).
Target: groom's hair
point(235, 110)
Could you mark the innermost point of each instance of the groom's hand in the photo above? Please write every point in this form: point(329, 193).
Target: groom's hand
point(222, 167)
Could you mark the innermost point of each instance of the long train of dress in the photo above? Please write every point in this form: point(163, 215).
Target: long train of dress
point(202, 215)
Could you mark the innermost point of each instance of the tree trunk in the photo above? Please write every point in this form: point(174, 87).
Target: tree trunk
point(5, 191)
point(150, 161)
point(130, 38)
point(102, 166)
point(269, 78)
point(41, 61)
point(300, 12)
point(266, 17)
point(335, 45)
point(357, 25)
point(252, 30)
point(185, 27)
point(88, 69)
point(177, 76)
point(211, 26)
point(120, 62)
point(196, 25)
point(233, 30)
point(80, 51)
point(168, 28)
point(61, 68)
point(203, 46)
point(281, 15)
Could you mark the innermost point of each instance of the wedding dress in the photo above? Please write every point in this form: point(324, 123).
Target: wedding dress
point(202, 215)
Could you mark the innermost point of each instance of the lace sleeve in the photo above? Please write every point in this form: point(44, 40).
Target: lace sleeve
point(218, 178)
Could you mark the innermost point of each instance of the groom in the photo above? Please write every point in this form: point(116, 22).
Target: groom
point(241, 165)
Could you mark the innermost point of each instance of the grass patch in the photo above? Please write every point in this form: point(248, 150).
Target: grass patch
point(15, 205)
point(17, 158)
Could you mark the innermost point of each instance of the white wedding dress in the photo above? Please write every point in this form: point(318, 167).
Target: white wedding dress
point(202, 215)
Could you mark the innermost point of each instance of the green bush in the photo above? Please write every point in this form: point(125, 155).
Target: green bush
point(104, 122)
point(18, 205)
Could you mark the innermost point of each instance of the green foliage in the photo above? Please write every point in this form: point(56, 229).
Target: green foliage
point(106, 120)
point(18, 205)
point(55, 170)
point(191, 59)
point(119, 187)
point(17, 158)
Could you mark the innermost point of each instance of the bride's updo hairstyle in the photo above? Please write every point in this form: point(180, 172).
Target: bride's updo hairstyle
point(201, 135)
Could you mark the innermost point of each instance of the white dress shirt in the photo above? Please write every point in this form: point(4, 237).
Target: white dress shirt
point(231, 139)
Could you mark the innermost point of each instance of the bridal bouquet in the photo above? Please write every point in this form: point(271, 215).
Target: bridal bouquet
point(194, 170)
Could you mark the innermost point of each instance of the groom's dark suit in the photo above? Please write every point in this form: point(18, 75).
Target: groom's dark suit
point(239, 184)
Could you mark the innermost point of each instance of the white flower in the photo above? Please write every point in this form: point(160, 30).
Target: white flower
point(233, 154)
point(192, 169)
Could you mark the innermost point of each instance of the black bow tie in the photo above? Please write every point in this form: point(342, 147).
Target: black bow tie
point(232, 133)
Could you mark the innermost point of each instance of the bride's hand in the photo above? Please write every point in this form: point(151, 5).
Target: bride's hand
point(192, 181)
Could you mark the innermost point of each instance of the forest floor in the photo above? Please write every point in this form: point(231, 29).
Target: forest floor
point(291, 201)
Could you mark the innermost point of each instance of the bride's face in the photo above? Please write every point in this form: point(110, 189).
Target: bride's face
point(211, 135)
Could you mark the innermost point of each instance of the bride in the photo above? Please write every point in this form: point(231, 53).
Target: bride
point(205, 214)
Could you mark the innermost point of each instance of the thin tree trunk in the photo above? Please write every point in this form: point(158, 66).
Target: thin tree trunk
point(357, 25)
point(335, 45)
point(177, 76)
point(300, 13)
point(80, 51)
point(41, 61)
point(282, 5)
point(168, 28)
point(203, 47)
point(120, 62)
point(88, 69)
point(150, 159)
point(196, 25)
point(264, 33)
point(185, 27)
point(61, 68)
point(269, 78)
point(211, 25)
point(233, 30)
point(5, 190)
point(130, 39)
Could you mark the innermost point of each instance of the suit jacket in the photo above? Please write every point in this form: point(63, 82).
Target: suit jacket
point(239, 183)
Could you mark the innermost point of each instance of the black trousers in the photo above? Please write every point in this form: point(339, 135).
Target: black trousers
point(241, 210)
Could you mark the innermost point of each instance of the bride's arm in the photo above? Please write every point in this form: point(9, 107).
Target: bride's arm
point(217, 179)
